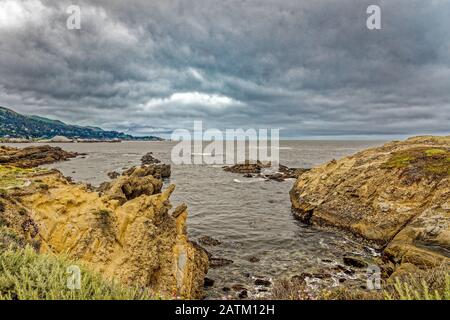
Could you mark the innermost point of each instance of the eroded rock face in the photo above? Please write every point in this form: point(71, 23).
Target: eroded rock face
point(130, 233)
point(33, 156)
point(159, 171)
point(397, 196)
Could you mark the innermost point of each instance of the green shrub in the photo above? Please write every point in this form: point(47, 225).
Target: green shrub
point(26, 275)
point(412, 288)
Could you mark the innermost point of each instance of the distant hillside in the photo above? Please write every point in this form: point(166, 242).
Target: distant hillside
point(16, 125)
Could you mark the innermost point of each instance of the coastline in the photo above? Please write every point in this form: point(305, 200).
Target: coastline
point(389, 267)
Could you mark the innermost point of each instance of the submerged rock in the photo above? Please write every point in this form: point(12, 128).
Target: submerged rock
point(208, 282)
point(260, 169)
point(397, 196)
point(253, 259)
point(263, 282)
point(219, 262)
point(247, 167)
point(209, 241)
point(355, 262)
point(113, 175)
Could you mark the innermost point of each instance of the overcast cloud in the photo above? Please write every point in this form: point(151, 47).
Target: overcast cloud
point(310, 68)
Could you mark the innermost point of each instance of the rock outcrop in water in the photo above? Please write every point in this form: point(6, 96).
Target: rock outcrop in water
point(33, 156)
point(148, 158)
point(261, 170)
point(397, 196)
point(129, 233)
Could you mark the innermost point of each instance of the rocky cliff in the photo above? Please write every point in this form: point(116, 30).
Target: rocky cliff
point(129, 232)
point(397, 196)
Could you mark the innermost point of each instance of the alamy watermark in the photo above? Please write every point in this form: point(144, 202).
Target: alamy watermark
point(373, 22)
point(74, 277)
point(373, 274)
point(73, 22)
point(231, 146)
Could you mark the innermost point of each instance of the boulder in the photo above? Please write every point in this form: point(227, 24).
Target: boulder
point(159, 171)
point(397, 196)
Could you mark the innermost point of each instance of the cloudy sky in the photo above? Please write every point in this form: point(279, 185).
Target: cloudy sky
point(310, 68)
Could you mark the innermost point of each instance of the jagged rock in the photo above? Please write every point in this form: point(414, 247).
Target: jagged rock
point(179, 210)
point(129, 187)
point(131, 238)
point(397, 196)
point(159, 171)
point(33, 156)
point(149, 159)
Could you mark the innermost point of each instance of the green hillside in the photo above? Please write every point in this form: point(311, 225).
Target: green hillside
point(16, 125)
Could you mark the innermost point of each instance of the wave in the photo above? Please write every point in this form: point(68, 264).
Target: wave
point(249, 180)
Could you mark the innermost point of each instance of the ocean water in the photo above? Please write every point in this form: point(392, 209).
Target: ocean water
point(251, 217)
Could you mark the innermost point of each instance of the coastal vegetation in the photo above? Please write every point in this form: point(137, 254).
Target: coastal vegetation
point(27, 275)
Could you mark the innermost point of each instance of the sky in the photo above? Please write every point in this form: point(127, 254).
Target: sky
point(309, 68)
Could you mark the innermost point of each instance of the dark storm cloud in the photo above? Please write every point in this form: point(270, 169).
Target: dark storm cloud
point(311, 68)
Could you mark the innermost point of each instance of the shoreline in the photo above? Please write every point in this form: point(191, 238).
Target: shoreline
point(388, 269)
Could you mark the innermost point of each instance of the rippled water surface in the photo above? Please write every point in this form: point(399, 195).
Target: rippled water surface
point(251, 218)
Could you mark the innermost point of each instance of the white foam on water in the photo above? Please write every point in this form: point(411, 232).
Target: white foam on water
point(249, 180)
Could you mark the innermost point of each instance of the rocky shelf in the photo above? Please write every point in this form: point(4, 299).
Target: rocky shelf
point(397, 196)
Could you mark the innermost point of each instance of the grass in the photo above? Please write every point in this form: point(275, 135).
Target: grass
point(421, 162)
point(12, 177)
point(414, 289)
point(26, 275)
point(434, 152)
